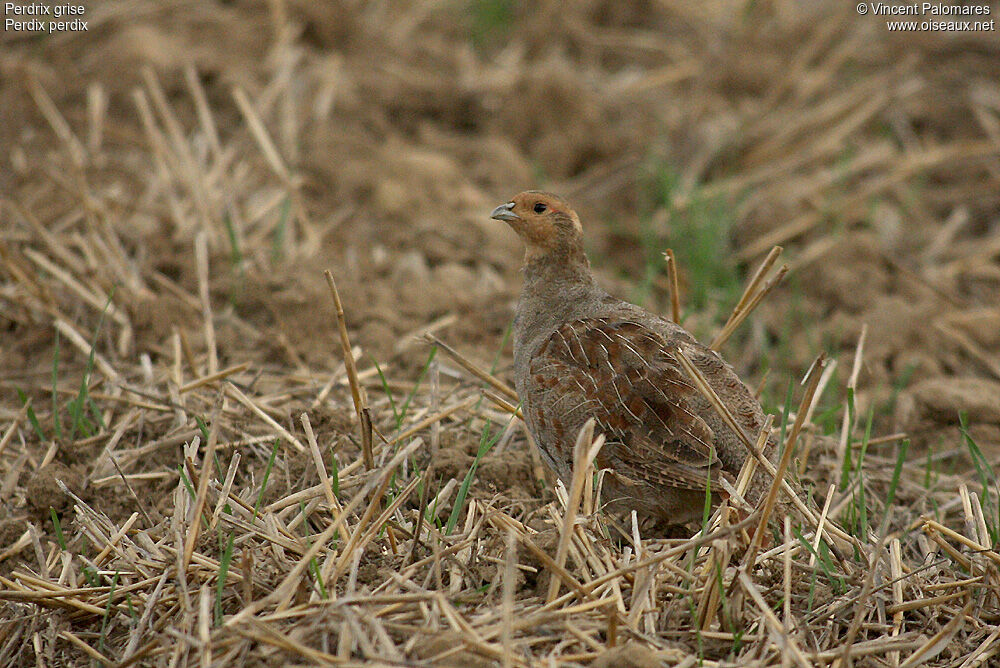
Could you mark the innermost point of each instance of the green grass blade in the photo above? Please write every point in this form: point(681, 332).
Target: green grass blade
point(225, 559)
point(267, 474)
point(187, 482)
point(313, 564)
point(823, 561)
point(385, 387)
point(986, 475)
point(847, 466)
point(334, 474)
point(96, 413)
point(107, 612)
point(486, 442)
point(318, 577)
point(862, 502)
point(58, 527)
point(707, 510)
point(503, 344)
point(897, 471)
point(420, 378)
point(202, 427)
point(785, 410)
point(56, 422)
point(490, 21)
point(278, 239)
point(32, 418)
point(78, 404)
point(929, 466)
point(235, 254)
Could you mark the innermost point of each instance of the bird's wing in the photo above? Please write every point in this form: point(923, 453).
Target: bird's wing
point(621, 373)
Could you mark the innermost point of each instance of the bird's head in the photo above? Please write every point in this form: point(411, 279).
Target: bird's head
point(547, 225)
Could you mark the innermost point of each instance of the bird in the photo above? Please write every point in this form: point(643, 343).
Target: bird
point(581, 353)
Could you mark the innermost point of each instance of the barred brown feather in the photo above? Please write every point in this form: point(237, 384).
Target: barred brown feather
point(581, 353)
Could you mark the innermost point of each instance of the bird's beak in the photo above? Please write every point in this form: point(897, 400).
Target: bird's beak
point(503, 212)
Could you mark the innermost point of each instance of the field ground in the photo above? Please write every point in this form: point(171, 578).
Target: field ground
point(184, 478)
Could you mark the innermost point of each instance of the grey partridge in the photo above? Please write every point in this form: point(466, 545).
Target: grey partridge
point(580, 353)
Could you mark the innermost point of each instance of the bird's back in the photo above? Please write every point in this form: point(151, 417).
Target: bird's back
point(597, 356)
point(580, 353)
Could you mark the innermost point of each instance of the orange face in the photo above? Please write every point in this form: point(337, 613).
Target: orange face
point(545, 222)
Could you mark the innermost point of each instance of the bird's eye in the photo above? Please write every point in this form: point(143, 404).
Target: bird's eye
point(539, 208)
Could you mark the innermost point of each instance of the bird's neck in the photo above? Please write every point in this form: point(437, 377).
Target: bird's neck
point(553, 292)
point(563, 266)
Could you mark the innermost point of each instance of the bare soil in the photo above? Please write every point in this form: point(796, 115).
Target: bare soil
point(371, 140)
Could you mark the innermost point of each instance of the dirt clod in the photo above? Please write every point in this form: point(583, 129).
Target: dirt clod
point(43, 492)
point(458, 656)
point(943, 399)
point(630, 655)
